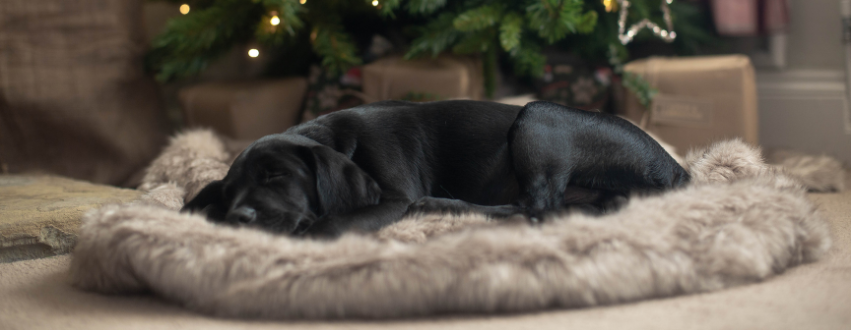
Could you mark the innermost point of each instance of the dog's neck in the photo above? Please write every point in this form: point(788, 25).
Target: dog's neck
point(342, 141)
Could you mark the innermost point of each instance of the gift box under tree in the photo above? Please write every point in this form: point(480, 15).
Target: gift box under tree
point(245, 110)
point(441, 78)
point(700, 100)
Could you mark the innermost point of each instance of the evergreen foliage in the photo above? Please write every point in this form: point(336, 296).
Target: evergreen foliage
point(334, 46)
point(192, 41)
point(514, 30)
point(640, 87)
point(488, 28)
point(212, 27)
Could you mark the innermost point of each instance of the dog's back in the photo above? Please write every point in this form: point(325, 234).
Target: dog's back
point(455, 149)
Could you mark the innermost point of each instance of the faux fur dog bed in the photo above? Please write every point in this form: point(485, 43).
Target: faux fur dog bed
point(740, 221)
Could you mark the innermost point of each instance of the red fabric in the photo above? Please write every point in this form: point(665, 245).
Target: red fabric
point(750, 17)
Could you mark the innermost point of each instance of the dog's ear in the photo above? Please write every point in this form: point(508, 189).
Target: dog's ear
point(209, 200)
point(341, 185)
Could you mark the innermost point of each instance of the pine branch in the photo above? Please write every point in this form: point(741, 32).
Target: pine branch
point(288, 11)
point(435, 37)
point(191, 41)
point(335, 47)
point(554, 19)
point(478, 18)
point(289, 23)
point(587, 22)
point(478, 28)
point(475, 42)
point(509, 31)
point(528, 59)
point(387, 7)
point(640, 87)
point(424, 7)
point(617, 55)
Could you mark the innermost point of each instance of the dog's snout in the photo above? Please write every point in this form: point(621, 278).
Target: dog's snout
point(243, 214)
point(301, 226)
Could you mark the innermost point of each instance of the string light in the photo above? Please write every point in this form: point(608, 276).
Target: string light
point(626, 36)
point(374, 3)
point(610, 5)
point(184, 9)
point(302, 1)
point(253, 52)
point(275, 20)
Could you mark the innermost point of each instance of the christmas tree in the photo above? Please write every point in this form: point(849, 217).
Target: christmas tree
point(513, 30)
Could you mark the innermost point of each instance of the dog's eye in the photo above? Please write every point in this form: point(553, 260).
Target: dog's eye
point(277, 175)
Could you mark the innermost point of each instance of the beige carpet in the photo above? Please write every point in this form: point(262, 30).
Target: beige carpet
point(35, 294)
point(40, 214)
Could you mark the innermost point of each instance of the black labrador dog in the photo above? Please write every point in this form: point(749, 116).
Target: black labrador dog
point(365, 167)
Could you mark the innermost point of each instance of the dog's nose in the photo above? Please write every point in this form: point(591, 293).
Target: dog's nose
point(243, 214)
point(301, 226)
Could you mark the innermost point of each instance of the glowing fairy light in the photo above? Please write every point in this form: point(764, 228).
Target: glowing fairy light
point(374, 3)
point(184, 9)
point(275, 20)
point(253, 52)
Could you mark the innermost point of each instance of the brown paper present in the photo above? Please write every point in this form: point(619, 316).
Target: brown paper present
point(444, 77)
point(701, 100)
point(244, 110)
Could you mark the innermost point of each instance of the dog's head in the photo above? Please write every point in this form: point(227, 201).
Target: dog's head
point(285, 183)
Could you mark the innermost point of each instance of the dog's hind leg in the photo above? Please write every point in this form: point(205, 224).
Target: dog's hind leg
point(540, 193)
point(542, 163)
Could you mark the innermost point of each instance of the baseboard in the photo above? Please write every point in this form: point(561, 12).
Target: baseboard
point(806, 110)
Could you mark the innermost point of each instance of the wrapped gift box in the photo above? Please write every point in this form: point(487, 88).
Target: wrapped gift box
point(444, 77)
point(244, 110)
point(701, 100)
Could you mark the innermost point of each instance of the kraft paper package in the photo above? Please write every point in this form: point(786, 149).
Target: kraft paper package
point(441, 78)
point(701, 100)
point(244, 110)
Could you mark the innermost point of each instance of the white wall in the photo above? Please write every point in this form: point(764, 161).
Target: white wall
point(815, 38)
point(804, 106)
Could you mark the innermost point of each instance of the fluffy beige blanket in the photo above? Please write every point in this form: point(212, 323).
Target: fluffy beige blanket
point(740, 221)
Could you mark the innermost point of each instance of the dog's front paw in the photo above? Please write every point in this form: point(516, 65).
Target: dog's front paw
point(423, 205)
point(435, 205)
point(325, 228)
